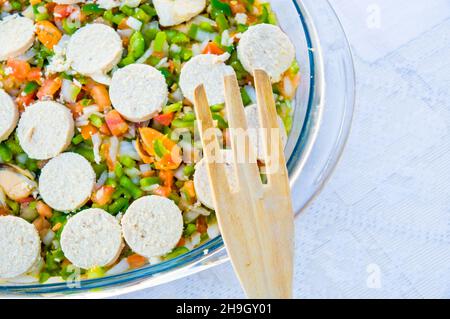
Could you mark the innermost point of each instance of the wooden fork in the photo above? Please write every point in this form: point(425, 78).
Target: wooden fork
point(256, 220)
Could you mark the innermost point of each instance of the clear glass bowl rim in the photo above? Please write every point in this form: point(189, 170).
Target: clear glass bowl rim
point(204, 251)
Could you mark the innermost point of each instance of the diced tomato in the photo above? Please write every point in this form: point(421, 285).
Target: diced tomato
point(66, 262)
point(47, 33)
point(104, 129)
point(100, 94)
point(171, 66)
point(162, 191)
point(188, 187)
point(167, 177)
point(237, 7)
point(43, 209)
point(20, 69)
point(181, 242)
point(61, 11)
point(148, 174)
point(123, 24)
point(158, 54)
point(25, 100)
point(136, 261)
point(201, 224)
point(4, 211)
point(104, 151)
point(164, 119)
point(49, 87)
point(88, 130)
point(142, 154)
point(171, 159)
point(41, 224)
point(50, 6)
point(289, 84)
point(103, 195)
point(116, 124)
point(76, 109)
point(25, 200)
point(213, 48)
point(34, 74)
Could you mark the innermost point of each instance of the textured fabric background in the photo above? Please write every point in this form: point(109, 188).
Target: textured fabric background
point(381, 227)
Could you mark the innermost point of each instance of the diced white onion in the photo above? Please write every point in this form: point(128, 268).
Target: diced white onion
point(213, 230)
point(96, 142)
point(196, 49)
point(22, 158)
point(69, 91)
point(226, 39)
point(101, 180)
point(134, 23)
point(28, 12)
point(163, 63)
point(203, 35)
point(132, 172)
point(150, 188)
point(177, 95)
point(241, 18)
point(179, 173)
point(135, 180)
point(250, 92)
point(89, 110)
point(119, 268)
point(145, 56)
point(144, 168)
point(81, 122)
point(125, 33)
point(113, 148)
point(29, 54)
point(193, 241)
point(199, 19)
point(128, 149)
point(175, 48)
point(48, 238)
point(154, 260)
point(194, 212)
point(131, 3)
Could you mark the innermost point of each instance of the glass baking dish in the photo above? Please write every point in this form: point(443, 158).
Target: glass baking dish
point(322, 117)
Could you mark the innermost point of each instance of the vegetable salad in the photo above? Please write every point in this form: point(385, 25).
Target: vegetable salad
point(130, 160)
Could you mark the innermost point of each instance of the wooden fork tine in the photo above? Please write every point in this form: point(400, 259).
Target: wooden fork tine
point(279, 218)
point(243, 153)
point(235, 217)
point(209, 141)
point(272, 144)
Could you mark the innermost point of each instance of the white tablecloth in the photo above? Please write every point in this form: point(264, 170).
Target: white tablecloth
point(381, 226)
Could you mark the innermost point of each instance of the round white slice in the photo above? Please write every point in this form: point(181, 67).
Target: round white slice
point(45, 129)
point(66, 182)
point(19, 246)
point(152, 226)
point(94, 49)
point(254, 130)
point(206, 69)
point(16, 36)
point(266, 47)
point(138, 92)
point(173, 12)
point(92, 238)
point(201, 180)
point(9, 115)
